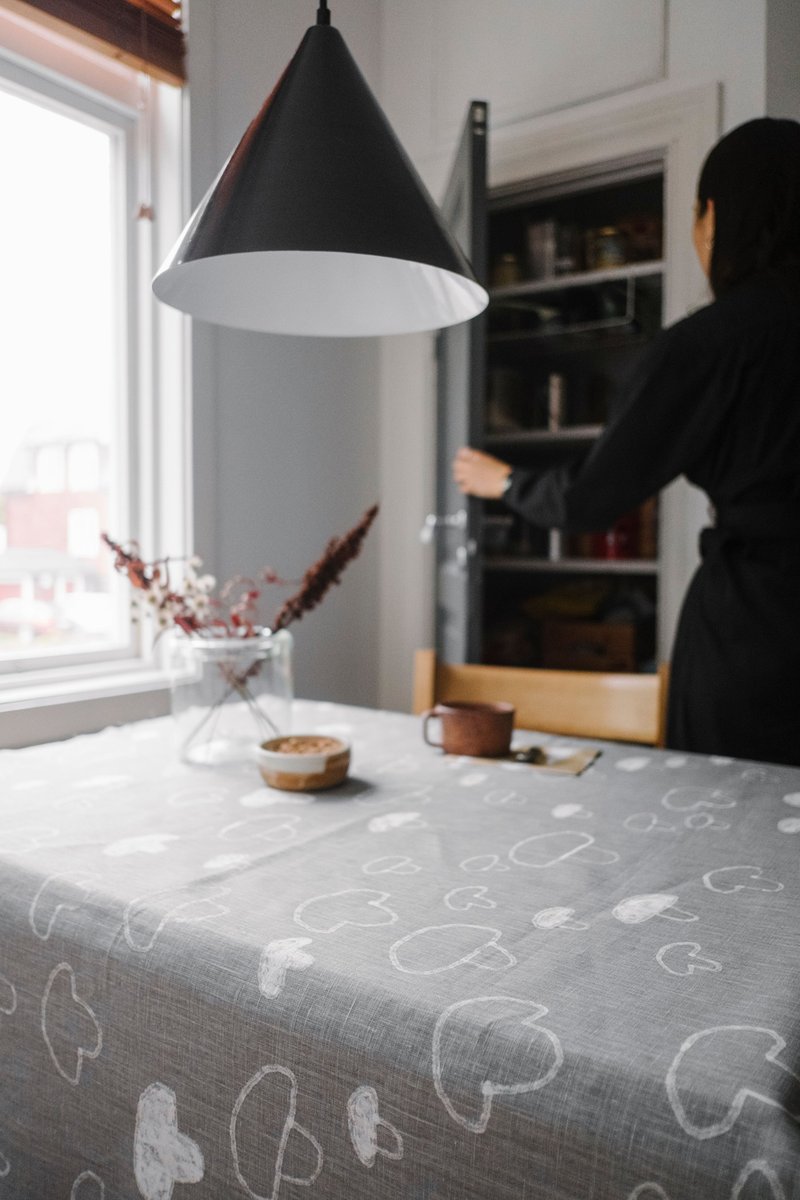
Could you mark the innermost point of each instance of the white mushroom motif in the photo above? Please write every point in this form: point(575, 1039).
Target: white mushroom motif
point(557, 918)
point(635, 910)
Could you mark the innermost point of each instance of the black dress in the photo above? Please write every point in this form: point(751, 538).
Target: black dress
point(716, 398)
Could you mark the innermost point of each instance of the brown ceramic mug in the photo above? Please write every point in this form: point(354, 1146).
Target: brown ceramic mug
point(475, 730)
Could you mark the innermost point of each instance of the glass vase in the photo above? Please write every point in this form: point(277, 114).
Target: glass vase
point(230, 694)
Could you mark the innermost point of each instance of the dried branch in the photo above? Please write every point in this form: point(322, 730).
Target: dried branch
point(326, 572)
point(191, 607)
point(152, 578)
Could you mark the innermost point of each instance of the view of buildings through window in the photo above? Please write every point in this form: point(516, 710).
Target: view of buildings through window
point(61, 389)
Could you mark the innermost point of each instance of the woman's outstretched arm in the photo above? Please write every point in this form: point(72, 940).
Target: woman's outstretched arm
point(676, 404)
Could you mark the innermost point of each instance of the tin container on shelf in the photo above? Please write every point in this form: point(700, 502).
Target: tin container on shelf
point(555, 402)
point(605, 247)
point(542, 249)
point(568, 249)
point(506, 270)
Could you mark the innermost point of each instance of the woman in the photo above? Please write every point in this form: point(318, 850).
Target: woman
point(717, 399)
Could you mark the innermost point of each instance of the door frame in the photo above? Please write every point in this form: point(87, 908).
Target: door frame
point(464, 210)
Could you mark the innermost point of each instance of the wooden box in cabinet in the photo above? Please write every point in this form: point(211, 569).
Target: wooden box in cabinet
point(589, 645)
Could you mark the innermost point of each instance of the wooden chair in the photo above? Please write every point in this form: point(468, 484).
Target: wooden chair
point(597, 704)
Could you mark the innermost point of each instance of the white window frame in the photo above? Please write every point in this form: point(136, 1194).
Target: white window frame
point(43, 699)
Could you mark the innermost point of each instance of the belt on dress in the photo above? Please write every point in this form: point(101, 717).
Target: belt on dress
point(771, 520)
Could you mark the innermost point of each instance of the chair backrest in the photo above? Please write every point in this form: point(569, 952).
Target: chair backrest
point(601, 704)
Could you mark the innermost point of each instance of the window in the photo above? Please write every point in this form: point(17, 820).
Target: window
point(91, 201)
point(83, 467)
point(83, 534)
point(66, 320)
point(48, 475)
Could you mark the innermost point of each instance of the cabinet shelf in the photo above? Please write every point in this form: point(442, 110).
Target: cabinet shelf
point(569, 341)
point(573, 566)
point(535, 437)
point(557, 283)
point(563, 337)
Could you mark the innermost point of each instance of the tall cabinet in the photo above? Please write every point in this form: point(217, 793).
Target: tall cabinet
point(575, 267)
point(580, 223)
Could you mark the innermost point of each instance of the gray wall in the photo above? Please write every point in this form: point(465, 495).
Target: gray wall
point(285, 429)
point(783, 58)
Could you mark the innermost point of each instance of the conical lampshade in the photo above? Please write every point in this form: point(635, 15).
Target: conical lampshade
point(318, 224)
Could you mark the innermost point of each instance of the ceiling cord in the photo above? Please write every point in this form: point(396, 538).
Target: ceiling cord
point(323, 15)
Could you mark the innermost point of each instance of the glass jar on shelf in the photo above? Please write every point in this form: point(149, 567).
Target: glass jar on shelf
point(605, 247)
point(541, 249)
point(643, 233)
point(506, 270)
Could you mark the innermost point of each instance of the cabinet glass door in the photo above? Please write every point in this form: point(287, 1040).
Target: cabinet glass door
point(460, 402)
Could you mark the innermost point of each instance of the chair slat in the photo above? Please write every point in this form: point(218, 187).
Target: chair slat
point(611, 705)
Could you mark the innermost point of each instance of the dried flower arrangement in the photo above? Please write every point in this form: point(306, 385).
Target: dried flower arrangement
point(190, 604)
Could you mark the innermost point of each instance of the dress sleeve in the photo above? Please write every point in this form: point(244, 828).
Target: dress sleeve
point(675, 407)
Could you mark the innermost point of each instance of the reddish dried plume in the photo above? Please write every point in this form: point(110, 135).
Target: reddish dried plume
point(143, 575)
point(236, 608)
point(326, 572)
point(128, 563)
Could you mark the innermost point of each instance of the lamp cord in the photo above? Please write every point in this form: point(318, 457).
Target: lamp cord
point(323, 15)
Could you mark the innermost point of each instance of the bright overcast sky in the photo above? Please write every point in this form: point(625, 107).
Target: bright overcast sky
point(56, 349)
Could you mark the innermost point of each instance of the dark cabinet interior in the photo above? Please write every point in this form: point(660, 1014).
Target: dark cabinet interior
point(576, 282)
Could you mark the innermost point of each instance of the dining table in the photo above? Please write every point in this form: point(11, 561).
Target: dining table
point(446, 979)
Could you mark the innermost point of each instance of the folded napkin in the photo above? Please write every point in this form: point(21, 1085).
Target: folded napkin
point(551, 764)
point(574, 764)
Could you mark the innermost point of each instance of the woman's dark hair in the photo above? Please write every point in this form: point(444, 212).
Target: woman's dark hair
point(753, 177)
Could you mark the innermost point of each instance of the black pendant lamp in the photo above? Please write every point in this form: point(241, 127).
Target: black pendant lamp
point(318, 224)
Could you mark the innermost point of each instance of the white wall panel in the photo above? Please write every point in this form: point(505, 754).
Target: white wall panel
point(783, 58)
point(528, 58)
point(726, 40)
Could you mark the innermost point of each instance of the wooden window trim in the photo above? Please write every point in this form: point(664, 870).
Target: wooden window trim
point(144, 34)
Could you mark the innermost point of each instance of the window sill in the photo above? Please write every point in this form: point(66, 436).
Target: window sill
point(51, 710)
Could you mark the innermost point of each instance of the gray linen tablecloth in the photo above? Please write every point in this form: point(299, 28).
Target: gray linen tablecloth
point(446, 980)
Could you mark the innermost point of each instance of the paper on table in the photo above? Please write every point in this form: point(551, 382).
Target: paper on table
point(573, 764)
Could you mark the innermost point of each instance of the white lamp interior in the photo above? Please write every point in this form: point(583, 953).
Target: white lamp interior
point(322, 294)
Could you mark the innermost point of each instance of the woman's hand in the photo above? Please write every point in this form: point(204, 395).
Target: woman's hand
point(479, 474)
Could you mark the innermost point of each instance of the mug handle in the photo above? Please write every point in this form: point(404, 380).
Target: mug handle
point(426, 717)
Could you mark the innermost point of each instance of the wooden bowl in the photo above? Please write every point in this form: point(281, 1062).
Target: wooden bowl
point(303, 762)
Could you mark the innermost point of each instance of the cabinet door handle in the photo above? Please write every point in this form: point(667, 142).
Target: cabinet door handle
point(456, 520)
point(465, 553)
